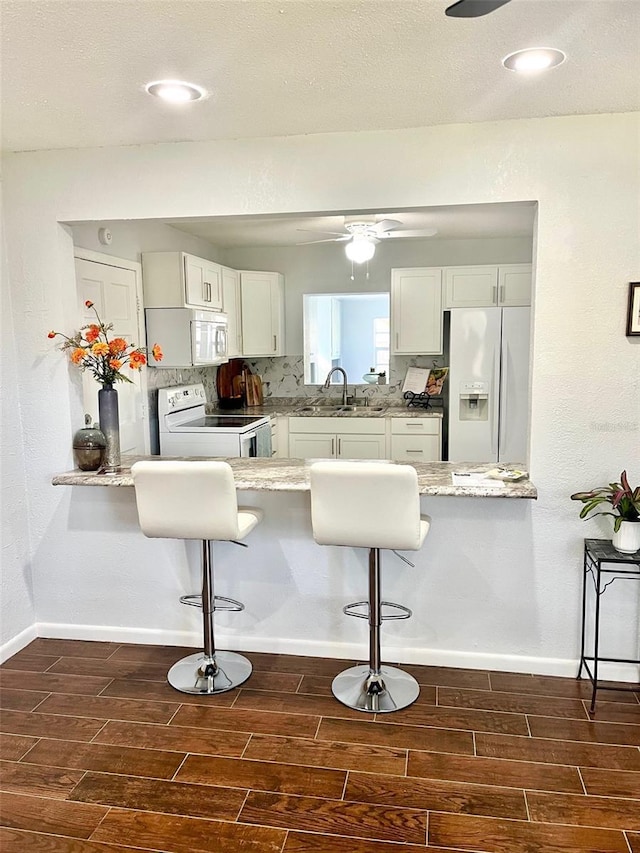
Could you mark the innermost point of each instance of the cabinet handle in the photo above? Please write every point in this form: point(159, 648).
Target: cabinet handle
point(414, 451)
point(501, 293)
point(495, 294)
point(418, 425)
point(204, 291)
point(275, 343)
point(339, 446)
point(397, 340)
point(333, 447)
point(208, 291)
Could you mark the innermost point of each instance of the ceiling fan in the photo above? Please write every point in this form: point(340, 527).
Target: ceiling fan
point(364, 232)
point(473, 8)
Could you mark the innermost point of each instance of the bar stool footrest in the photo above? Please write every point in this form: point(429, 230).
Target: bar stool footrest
point(350, 610)
point(230, 604)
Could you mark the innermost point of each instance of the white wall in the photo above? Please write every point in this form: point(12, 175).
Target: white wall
point(132, 238)
point(16, 594)
point(515, 592)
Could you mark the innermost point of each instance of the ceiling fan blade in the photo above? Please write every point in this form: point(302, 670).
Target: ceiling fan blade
point(386, 225)
point(320, 231)
point(418, 232)
point(328, 240)
point(473, 8)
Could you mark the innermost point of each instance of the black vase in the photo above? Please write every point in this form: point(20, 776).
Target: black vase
point(110, 426)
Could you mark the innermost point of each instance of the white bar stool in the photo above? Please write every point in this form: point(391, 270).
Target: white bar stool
point(370, 505)
point(197, 500)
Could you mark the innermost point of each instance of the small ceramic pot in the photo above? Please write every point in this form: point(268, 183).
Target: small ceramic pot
point(627, 539)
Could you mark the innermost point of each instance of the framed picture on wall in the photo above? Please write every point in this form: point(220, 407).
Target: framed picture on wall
point(633, 311)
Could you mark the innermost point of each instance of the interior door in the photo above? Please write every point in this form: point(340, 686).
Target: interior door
point(114, 292)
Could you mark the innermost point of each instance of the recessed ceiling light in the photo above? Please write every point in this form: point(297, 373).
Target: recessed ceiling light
point(534, 59)
point(175, 91)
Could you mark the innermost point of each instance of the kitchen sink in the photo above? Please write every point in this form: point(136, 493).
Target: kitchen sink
point(328, 409)
point(331, 410)
point(361, 408)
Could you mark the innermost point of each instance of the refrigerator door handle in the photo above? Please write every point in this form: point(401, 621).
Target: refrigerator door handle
point(495, 405)
point(504, 391)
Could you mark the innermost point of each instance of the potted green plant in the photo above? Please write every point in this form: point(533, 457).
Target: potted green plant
point(625, 503)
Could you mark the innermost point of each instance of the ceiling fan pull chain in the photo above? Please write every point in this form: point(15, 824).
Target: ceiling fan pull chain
point(353, 278)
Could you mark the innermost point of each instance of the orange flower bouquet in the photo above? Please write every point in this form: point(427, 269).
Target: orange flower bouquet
point(92, 349)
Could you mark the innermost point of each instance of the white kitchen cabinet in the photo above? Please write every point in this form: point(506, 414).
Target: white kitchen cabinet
point(416, 439)
point(336, 446)
point(514, 285)
point(181, 280)
point(262, 312)
point(231, 305)
point(337, 438)
point(416, 311)
point(470, 286)
point(280, 437)
point(487, 285)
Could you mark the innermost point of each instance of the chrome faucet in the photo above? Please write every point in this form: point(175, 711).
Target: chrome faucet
point(327, 382)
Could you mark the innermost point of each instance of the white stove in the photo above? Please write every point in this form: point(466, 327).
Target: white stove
point(186, 430)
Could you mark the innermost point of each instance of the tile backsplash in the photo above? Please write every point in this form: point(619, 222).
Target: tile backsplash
point(284, 376)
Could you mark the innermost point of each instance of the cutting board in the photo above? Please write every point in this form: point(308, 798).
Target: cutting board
point(229, 381)
point(253, 390)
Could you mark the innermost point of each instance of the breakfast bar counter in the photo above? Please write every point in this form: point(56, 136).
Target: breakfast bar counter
point(292, 475)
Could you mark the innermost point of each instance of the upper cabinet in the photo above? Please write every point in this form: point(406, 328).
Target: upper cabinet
point(486, 286)
point(262, 311)
point(180, 280)
point(231, 305)
point(416, 311)
point(514, 285)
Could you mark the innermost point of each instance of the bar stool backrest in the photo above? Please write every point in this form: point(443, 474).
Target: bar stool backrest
point(186, 500)
point(366, 505)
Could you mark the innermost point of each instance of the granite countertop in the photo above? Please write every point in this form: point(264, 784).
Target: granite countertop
point(292, 475)
point(327, 408)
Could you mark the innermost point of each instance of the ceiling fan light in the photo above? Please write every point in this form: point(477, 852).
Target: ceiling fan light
point(534, 59)
point(360, 249)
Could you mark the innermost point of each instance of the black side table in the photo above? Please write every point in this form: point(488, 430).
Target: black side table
point(622, 567)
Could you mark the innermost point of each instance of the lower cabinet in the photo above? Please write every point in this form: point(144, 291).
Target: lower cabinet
point(330, 438)
point(416, 439)
point(336, 446)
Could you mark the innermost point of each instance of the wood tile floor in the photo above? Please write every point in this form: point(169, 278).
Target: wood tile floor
point(100, 755)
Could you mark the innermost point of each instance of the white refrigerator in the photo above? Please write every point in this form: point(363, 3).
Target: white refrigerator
point(489, 384)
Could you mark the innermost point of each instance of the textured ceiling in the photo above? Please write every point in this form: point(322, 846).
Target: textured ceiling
point(73, 72)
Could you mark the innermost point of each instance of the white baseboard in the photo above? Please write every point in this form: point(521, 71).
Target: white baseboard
point(14, 645)
point(566, 667)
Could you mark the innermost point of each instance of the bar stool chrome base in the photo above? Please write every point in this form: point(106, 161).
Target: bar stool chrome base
point(204, 676)
point(363, 690)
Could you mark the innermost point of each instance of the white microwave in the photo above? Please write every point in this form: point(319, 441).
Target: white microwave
point(188, 337)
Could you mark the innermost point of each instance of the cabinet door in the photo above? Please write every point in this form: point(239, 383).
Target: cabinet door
point(262, 296)
point(311, 446)
point(231, 307)
point(195, 291)
point(202, 283)
point(213, 285)
point(361, 446)
point(416, 311)
point(514, 285)
point(470, 287)
point(415, 448)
